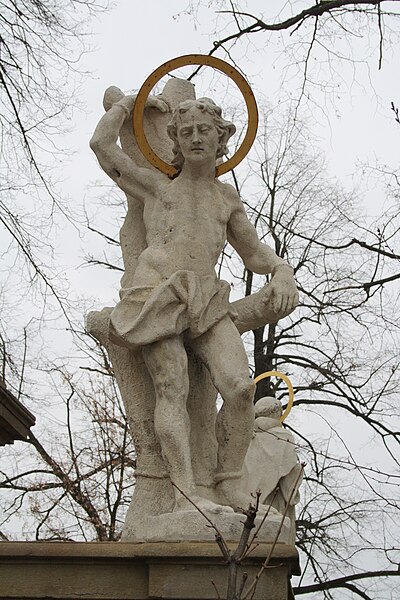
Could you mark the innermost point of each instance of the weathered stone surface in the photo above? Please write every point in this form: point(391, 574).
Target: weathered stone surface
point(172, 338)
point(191, 526)
point(119, 571)
point(273, 447)
point(184, 582)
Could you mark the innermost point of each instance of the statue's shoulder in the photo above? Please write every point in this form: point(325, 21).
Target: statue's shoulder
point(230, 194)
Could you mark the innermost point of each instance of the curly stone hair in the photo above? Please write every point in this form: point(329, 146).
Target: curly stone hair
point(224, 128)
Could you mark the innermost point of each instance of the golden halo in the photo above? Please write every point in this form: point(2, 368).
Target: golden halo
point(286, 379)
point(176, 63)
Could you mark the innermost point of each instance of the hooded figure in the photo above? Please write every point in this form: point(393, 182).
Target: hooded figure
point(271, 461)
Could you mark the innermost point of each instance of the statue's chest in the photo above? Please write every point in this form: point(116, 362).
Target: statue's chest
point(194, 205)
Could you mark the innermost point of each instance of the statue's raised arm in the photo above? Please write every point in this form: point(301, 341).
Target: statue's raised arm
point(120, 167)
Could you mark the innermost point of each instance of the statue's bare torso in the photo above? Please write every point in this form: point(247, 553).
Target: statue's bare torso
point(186, 229)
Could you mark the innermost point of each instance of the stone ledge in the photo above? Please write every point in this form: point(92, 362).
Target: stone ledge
point(133, 571)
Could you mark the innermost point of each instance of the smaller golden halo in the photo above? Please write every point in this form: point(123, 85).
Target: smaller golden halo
point(286, 379)
point(176, 63)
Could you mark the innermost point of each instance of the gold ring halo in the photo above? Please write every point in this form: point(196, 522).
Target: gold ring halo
point(176, 63)
point(286, 379)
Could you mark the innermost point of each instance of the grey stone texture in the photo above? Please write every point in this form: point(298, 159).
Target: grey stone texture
point(118, 571)
point(174, 337)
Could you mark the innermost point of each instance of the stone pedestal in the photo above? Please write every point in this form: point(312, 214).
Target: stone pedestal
point(186, 526)
point(134, 571)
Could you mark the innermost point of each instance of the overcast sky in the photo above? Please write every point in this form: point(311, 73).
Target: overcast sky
point(351, 114)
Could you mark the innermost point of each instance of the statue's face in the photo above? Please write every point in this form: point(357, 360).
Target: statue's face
point(197, 136)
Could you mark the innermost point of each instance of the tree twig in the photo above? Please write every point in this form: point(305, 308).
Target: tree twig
point(251, 589)
point(218, 535)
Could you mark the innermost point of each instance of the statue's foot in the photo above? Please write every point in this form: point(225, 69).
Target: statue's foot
point(231, 494)
point(205, 505)
point(266, 508)
point(207, 491)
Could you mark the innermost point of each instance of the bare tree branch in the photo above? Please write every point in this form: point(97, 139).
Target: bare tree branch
point(342, 581)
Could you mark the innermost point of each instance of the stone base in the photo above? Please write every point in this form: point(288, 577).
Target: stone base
point(128, 571)
point(193, 527)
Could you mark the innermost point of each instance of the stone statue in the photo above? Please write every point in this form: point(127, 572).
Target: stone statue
point(271, 464)
point(174, 338)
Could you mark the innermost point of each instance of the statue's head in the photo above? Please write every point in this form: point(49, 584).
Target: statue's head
point(268, 407)
point(197, 127)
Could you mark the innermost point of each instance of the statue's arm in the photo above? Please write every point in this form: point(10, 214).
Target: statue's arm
point(131, 178)
point(242, 235)
point(260, 258)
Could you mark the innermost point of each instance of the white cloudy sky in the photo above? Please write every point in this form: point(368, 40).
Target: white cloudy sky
point(352, 118)
point(351, 114)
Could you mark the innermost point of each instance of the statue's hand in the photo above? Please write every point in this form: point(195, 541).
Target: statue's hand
point(157, 102)
point(281, 293)
point(111, 96)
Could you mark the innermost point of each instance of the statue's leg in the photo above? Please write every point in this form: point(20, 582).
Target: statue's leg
point(202, 411)
point(222, 351)
point(153, 494)
point(167, 363)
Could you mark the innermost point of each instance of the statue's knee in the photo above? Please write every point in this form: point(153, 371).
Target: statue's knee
point(243, 392)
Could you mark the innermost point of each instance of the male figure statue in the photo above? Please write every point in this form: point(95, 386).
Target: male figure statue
point(177, 301)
